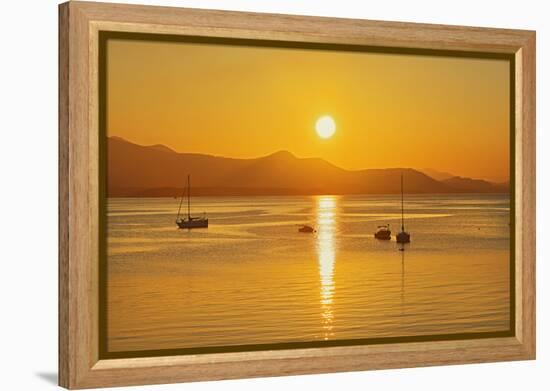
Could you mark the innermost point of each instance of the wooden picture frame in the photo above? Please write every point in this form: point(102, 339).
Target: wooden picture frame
point(80, 365)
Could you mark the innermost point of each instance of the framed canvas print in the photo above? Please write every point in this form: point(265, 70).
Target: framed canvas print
point(254, 195)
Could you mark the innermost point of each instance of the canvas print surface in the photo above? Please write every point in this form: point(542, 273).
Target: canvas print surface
point(261, 196)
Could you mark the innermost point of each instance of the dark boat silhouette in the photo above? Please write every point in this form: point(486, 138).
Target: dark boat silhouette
point(403, 236)
point(306, 229)
point(190, 221)
point(383, 232)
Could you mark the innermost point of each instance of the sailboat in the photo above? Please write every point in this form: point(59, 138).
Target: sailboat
point(403, 236)
point(190, 221)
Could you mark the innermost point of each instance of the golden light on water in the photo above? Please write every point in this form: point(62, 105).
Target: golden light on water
point(329, 287)
point(326, 226)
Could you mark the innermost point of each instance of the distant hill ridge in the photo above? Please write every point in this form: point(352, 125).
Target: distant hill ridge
point(153, 171)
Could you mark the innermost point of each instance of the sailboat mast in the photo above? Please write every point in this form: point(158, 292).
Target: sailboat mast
point(181, 202)
point(189, 197)
point(402, 213)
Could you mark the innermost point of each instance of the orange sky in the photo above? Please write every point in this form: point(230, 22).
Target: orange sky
point(450, 114)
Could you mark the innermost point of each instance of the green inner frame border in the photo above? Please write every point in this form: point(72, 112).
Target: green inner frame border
point(104, 36)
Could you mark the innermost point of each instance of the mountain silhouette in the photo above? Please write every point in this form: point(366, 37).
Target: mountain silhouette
point(152, 171)
point(470, 185)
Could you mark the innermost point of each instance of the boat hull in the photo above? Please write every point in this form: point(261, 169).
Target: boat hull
point(383, 232)
point(403, 237)
point(383, 235)
point(189, 224)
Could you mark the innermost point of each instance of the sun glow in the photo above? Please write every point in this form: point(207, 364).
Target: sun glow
point(325, 127)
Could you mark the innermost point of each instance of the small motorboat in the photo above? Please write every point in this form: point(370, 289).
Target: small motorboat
point(383, 232)
point(306, 229)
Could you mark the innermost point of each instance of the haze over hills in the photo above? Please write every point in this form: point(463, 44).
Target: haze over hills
point(154, 171)
point(437, 175)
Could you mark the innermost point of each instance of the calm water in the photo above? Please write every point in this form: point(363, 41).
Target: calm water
point(251, 278)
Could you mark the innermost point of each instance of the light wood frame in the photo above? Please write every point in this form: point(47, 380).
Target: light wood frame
point(79, 363)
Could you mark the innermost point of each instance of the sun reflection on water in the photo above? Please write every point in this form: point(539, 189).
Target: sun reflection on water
point(326, 226)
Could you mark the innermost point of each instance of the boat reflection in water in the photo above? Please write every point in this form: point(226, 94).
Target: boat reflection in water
point(326, 227)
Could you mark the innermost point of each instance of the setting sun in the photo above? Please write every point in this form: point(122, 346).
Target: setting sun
point(325, 126)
